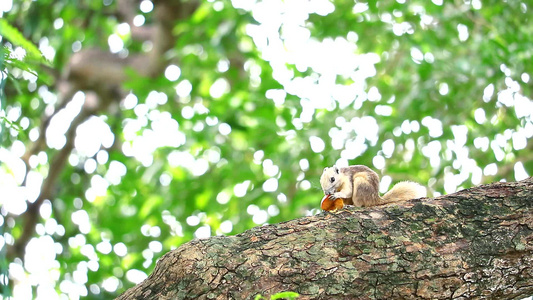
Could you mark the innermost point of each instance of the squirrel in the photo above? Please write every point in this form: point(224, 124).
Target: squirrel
point(358, 185)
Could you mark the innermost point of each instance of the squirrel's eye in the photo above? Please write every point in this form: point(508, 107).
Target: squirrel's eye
point(332, 179)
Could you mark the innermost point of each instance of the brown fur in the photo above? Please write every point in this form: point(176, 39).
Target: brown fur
point(358, 185)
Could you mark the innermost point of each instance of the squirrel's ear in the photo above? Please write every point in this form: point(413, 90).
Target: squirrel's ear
point(336, 170)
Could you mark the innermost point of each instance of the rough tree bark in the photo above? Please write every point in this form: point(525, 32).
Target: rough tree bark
point(477, 243)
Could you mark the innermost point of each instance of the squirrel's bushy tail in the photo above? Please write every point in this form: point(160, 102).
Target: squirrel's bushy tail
point(404, 190)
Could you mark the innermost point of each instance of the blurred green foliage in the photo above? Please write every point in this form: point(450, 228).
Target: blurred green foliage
point(436, 62)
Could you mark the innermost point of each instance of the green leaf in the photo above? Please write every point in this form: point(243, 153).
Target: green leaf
point(14, 36)
point(285, 295)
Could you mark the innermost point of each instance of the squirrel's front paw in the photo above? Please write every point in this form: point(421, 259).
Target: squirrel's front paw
point(336, 196)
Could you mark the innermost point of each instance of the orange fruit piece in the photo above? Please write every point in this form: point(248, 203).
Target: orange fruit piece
point(329, 204)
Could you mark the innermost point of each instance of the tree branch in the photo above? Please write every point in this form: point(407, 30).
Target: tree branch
point(31, 216)
point(474, 243)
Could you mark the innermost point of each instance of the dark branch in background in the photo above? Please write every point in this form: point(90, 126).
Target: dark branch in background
point(31, 216)
point(127, 10)
point(103, 73)
point(40, 143)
